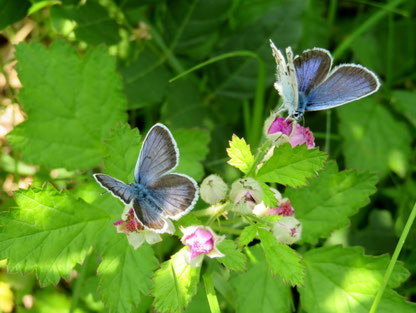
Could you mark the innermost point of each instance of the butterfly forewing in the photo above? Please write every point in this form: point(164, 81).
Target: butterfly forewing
point(345, 83)
point(116, 187)
point(159, 154)
point(176, 194)
point(312, 67)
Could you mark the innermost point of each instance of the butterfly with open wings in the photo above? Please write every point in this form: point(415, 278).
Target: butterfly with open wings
point(157, 195)
point(307, 83)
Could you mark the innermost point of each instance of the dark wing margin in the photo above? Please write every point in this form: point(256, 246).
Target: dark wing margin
point(176, 194)
point(312, 67)
point(159, 154)
point(346, 83)
point(116, 187)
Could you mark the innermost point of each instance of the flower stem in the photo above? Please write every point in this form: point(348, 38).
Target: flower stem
point(78, 284)
point(261, 152)
point(211, 295)
point(393, 260)
point(228, 230)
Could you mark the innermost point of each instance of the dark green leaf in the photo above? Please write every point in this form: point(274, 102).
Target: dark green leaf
point(12, 11)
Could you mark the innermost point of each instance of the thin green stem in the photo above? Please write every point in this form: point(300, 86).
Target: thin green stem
point(262, 151)
point(210, 292)
point(333, 4)
point(393, 260)
point(78, 284)
point(328, 131)
point(241, 53)
point(228, 230)
point(257, 121)
point(368, 23)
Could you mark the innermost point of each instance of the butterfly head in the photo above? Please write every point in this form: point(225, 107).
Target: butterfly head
point(298, 115)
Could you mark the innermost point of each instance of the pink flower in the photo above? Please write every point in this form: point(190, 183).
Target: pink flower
point(284, 209)
point(281, 129)
point(135, 232)
point(281, 125)
point(200, 240)
point(302, 135)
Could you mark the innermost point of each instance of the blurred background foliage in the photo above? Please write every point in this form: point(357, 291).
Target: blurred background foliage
point(154, 41)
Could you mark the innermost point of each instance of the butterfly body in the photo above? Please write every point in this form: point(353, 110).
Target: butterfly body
point(307, 83)
point(156, 195)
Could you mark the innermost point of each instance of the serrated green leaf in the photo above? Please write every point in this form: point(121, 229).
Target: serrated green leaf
point(174, 293)
point(71, 105)
point(122, 150)
point(329, 200)
point(240, 154)
point(291, 166)
point(282, 260)
point(350, 280)
point(12, 11)
point(126, 271)
point(48, 233)
point(269, 197)
point(234, 259)
point(247, 235)
point(370, 138)
point(193, 148)
point(258, 291)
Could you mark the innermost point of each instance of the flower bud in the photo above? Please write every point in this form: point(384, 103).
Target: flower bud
point(246, 192)
point(287, 230)
point(213, 189)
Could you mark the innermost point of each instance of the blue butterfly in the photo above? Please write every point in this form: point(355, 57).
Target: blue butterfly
point(157, 194)
point(306, 82)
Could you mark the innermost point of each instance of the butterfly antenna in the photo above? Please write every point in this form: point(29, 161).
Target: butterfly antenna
point(103, 193)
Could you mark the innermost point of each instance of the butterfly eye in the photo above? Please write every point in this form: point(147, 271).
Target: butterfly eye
point(297, 115)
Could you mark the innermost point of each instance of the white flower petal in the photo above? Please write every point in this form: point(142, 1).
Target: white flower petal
point(135, 239)
point(151, 237)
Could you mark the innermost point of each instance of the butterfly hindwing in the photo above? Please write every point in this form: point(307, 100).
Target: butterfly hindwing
point(312, 67)
point(149, 215)
point(158, 155)
point(344, 84)
point(116, 187)
point(176, 194)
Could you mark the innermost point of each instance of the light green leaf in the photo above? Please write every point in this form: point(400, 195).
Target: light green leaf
point(282, 259)
point(122, 151)
point(12, 11)
point(247, 235)
point(258, 291)
point(269, 197)
point(329, 200)
point(370, 138)
point(349, 281)
point(240, 154)
point(48, 233)
point(126, 271)
point(193, 148)
point(173, 293)
point(291, 166)
point(234, 259)
point(71, 104)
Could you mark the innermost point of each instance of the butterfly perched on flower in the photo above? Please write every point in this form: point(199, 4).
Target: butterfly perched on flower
point(307, 83)
point(156, 195)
